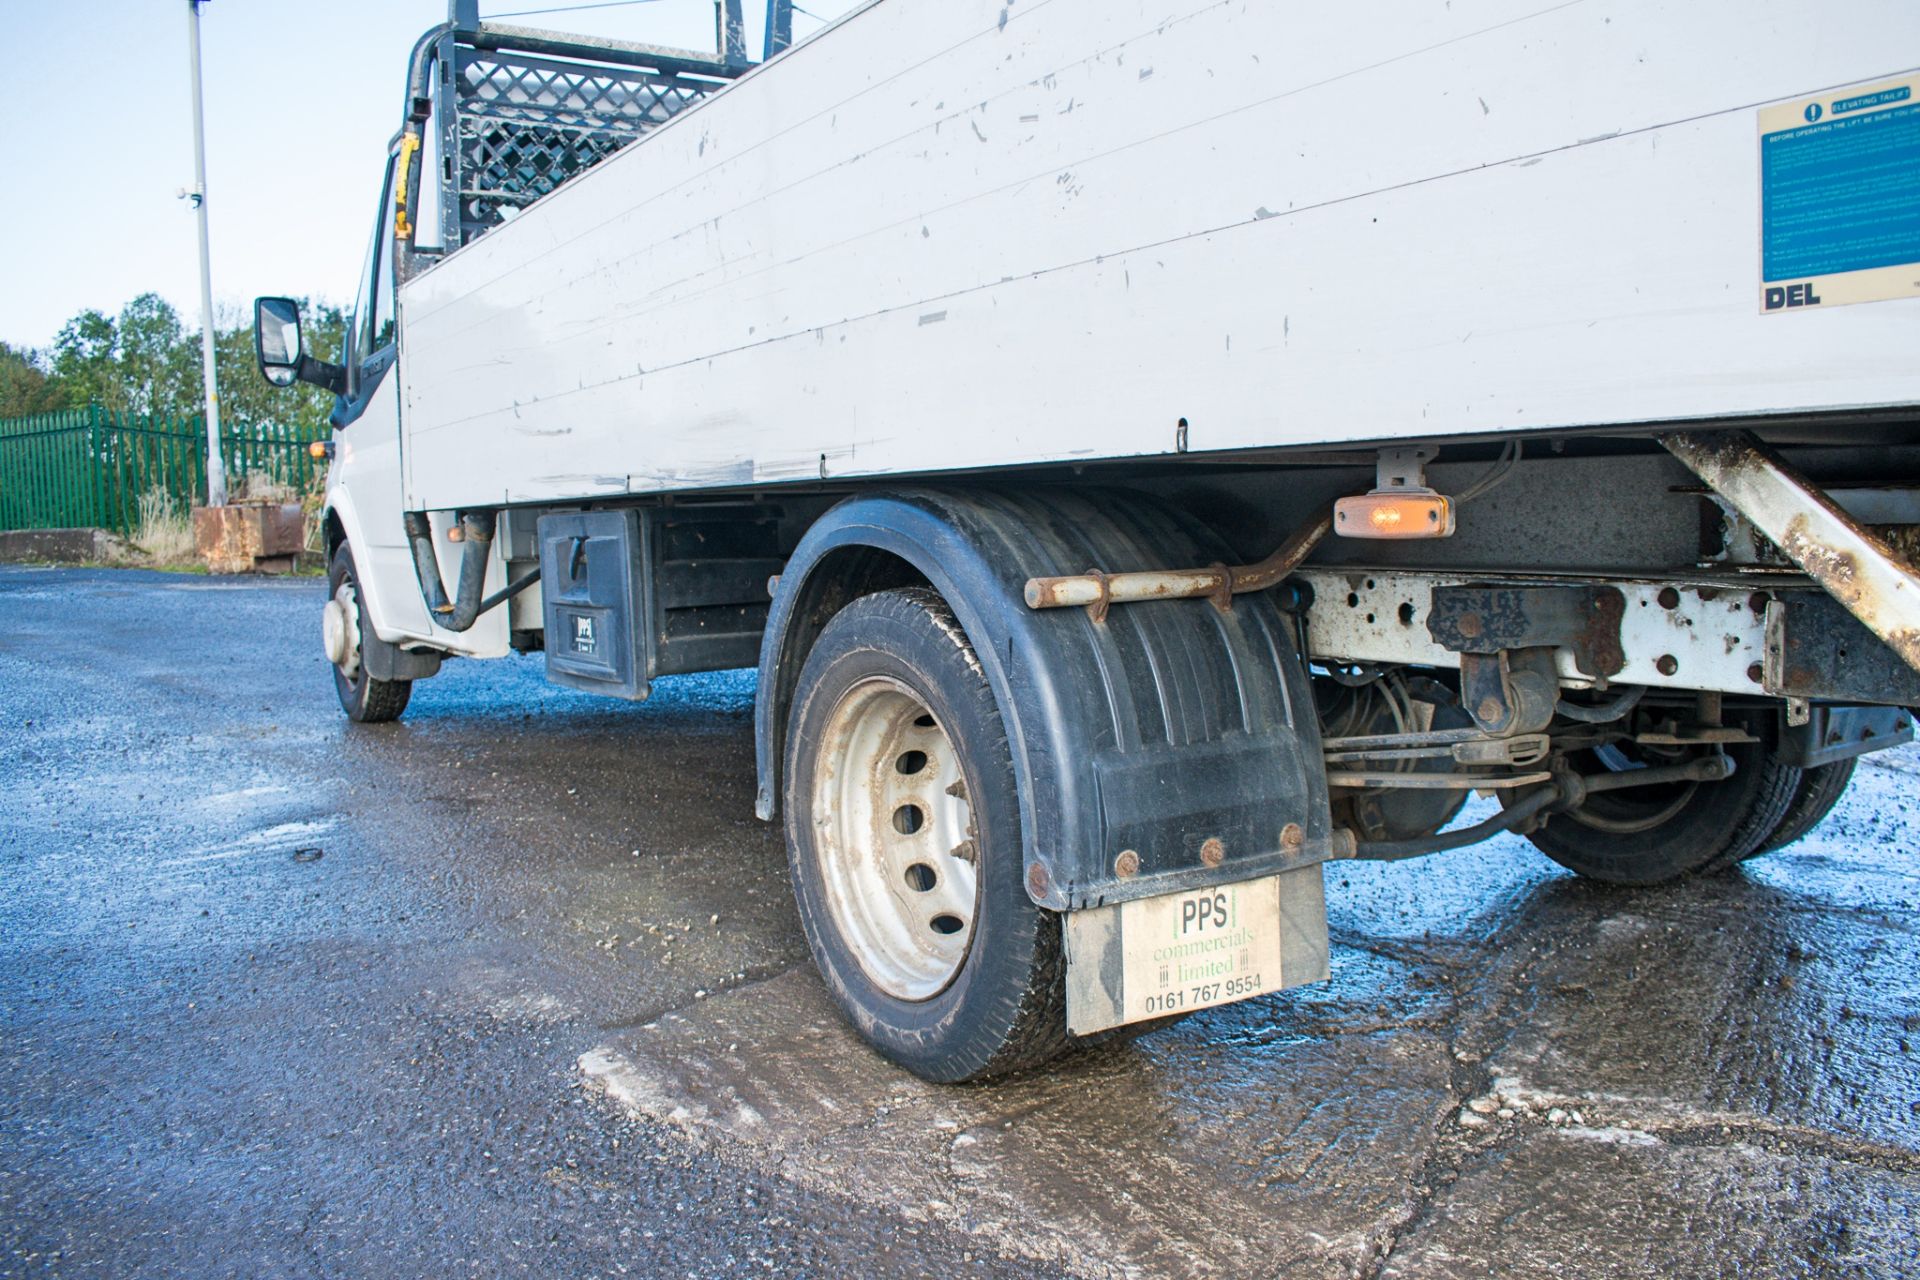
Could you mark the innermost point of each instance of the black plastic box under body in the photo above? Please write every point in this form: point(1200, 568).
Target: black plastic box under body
point(594, 584)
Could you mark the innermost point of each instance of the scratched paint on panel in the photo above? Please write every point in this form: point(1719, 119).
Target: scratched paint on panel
point(928, 242)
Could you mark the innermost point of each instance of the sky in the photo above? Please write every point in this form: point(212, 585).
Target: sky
point(302, 97)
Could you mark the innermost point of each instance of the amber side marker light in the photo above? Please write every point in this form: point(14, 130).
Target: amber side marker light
point(1394, 515)
point(320, 450)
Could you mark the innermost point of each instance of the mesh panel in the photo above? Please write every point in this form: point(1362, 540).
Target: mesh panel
point(529, 124)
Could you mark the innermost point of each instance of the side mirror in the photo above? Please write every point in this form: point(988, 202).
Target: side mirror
point(276, 339)
point(278, 345)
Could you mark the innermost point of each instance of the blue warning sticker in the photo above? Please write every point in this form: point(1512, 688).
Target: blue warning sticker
point(1840, 197)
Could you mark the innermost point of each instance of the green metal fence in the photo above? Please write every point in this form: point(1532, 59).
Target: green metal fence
point(87, 468)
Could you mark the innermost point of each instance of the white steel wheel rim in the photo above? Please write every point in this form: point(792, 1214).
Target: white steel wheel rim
point(340, 630)
point(895, 840)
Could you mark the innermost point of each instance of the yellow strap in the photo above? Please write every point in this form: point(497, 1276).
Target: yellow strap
point(402, 227)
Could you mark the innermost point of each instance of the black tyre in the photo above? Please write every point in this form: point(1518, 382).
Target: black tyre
point(903, 831)
point(364, 699)
point(1647, 835)
point(1820, 789)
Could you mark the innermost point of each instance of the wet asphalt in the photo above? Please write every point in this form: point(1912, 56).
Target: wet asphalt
point(514, 987)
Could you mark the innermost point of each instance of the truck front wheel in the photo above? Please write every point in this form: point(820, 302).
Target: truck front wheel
point(364, 699)
point(903, 831)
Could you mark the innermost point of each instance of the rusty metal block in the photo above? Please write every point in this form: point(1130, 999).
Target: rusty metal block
point(1584, 620)
point(249, 537)
point(1817, 649)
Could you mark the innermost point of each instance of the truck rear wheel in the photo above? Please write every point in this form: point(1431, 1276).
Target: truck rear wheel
point(1820, 789)
point(1647, 835)
point(364, 699)
point(903, 832)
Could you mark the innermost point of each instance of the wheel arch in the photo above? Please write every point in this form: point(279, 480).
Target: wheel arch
point(863, 545)
point(1168, 723)
point(343, 526)
point(333, 532)
point(829, 581)
point(384, 656)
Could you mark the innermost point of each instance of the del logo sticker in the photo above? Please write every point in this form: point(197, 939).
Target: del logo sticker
point(1840, 198)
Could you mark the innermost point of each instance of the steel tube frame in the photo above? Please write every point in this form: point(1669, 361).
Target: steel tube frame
point(1858, 569)
point(1096, 590)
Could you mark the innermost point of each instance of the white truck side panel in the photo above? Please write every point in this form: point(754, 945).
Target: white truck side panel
point(951, 234)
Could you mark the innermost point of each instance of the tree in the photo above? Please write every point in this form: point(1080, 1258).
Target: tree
point(25, 388)
point(143, 362)
point(85, 361)
point(159, 360)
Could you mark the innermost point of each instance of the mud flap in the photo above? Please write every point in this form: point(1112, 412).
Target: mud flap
point(385, 661)
point(1178, 952)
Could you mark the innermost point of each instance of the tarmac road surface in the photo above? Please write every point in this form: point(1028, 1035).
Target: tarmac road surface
point(515, 988)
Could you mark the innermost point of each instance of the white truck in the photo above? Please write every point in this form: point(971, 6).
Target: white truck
point(1150, 448)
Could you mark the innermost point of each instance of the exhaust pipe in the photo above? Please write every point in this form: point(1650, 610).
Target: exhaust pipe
point(476, 539)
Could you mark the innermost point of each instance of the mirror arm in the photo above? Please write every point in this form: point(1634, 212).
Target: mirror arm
point(328, 377)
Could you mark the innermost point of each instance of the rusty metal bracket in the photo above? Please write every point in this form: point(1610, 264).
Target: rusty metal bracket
point(1857, 568)
point(1103, 597)
point(1511, 691)
point(1816, 649)
point(1221, 597)
point(1584, 620)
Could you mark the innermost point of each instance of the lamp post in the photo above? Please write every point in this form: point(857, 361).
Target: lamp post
point(216, 470)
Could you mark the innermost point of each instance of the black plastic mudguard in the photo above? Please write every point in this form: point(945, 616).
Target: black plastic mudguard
point(387, 661)
point(1168, 725)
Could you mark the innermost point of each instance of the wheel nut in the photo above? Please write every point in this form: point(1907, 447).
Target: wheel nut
point(1212, 852)
point(1127, 864)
